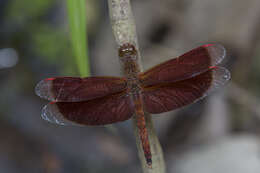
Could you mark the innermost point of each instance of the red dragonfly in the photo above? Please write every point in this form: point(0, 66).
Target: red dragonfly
point(165, 87)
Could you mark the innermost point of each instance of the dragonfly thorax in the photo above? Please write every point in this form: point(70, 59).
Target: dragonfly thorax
point(133, 86)
point(128, 57)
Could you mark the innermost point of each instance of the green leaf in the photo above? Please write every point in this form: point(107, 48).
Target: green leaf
point(78, 32)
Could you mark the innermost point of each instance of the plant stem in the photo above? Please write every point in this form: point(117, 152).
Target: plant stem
point(124, 30)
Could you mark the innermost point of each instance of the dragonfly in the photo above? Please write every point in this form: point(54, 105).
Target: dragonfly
point(165, 87)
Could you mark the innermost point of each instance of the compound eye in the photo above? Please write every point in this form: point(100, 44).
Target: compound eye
point(130, 49)
point(127, 50)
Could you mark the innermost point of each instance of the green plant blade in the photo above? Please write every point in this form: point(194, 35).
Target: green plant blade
point(78, 32)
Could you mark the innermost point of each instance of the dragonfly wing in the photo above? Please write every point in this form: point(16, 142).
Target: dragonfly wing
point(186, 66)
point(167, 97)
point(100, 111)
point(75, 89)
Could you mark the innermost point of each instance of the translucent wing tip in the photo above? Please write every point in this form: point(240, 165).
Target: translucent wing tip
point(43, 89)
point(51, 114)
point(220, 78)
point(222, 75)
point(217, 52)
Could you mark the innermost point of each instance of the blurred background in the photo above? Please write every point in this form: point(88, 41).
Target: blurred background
point(217, 134)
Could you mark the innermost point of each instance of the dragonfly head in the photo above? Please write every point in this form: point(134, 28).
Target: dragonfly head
point(127, 51)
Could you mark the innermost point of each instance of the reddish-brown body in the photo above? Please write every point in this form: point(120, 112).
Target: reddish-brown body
point(129, 57)
point(106, 100)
